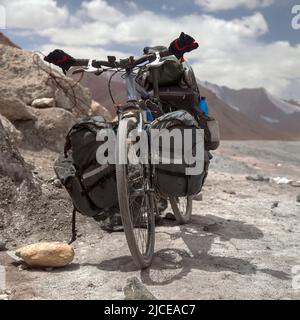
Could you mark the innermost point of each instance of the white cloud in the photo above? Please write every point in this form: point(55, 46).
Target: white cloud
point(101, 11)
point(215, 5)
point(231, 52)
point(34, 14)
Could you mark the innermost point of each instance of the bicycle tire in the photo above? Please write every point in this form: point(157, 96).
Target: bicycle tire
point(182, 215)
point(141, 259)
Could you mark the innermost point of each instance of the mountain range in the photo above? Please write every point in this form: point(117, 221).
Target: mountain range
point(246, 114)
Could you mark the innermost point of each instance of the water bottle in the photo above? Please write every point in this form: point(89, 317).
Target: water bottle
point(147, 116)
point(203, 106)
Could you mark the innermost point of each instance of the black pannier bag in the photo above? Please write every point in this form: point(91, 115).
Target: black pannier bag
point(178, 98)
point(91, 186)
point(171, 179)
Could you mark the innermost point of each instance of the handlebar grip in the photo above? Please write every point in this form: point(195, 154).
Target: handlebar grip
point(81, 62)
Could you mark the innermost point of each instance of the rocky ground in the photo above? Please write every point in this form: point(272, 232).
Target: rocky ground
point(242, 242)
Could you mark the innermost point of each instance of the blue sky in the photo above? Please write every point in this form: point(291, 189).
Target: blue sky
point(246, 45)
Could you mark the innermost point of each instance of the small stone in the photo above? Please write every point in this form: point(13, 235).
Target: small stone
point(258, 177)
point(43, 103)
point(298, 198)
point(57, 183)
point(275, 204)
point(135, 290)
point(295, 184)
point(23, 266)
point(229, 192)
point(268, 248)
point(198, 197)
point(44, 254)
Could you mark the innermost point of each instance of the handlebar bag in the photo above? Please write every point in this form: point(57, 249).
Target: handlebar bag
point(91, 186)
point(172, 180)
point(170, 72)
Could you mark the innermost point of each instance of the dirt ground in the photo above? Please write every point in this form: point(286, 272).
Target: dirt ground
point(242, 242)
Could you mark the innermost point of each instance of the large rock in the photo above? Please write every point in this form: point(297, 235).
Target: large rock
point(12, 107)
point(47, 254)
point(98, 110)
point(15, 135)
point(51, 126)
point(25, 78)
point(12, 165)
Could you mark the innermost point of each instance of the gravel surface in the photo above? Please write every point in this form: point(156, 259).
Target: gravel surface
point(242, 242)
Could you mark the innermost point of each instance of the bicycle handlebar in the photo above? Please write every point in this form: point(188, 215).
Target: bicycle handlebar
point(128, 63)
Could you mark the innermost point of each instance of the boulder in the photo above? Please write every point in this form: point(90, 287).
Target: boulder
point(47, 254)
point(12, 165)
point(70, 95)
point(13, 108)
point(15, 135)
point(98, 110)
point(43, 103)
point(25, 78)
point(51, 127)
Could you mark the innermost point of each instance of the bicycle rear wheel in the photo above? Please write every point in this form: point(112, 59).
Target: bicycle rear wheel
point(136, 200)
point(182, 208)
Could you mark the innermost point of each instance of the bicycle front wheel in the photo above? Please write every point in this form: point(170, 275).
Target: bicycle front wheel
point(136, 199)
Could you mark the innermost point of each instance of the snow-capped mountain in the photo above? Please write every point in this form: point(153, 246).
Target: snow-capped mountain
point(260, 106)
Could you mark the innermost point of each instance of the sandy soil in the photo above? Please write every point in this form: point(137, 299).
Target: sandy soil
point(242, 242)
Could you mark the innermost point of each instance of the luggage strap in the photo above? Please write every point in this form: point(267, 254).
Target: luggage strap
point(170, 173)
point(83, 125)
point(74, 231)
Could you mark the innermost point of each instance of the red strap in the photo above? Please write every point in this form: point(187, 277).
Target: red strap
point(177, 46)
point(62, 60)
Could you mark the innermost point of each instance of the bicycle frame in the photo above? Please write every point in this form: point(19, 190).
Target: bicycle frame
point(131, 87)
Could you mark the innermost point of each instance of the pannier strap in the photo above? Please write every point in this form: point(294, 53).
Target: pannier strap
point(74, 231)
point(171, 173)
point(85, 125)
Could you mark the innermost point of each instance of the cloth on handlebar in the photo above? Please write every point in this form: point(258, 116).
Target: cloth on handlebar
point(148, 50)
point(169, 73)
point(60, 59)
point(185, 43)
